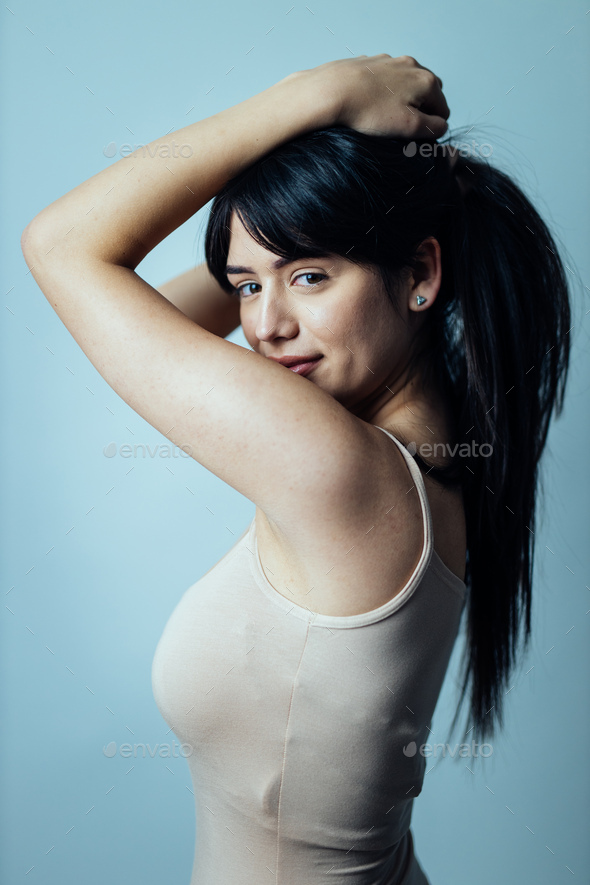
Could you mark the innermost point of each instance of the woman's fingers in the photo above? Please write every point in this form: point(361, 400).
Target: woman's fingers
point(429, 97)
point(434, 102)
point(440, 82)
point(383, 95)
point(428, 125)
point(419, 89)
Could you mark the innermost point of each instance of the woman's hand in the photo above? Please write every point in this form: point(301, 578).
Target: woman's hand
point(381, 95)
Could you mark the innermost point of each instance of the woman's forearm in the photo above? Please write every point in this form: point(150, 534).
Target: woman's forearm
point(123, 212)
point(200, 297)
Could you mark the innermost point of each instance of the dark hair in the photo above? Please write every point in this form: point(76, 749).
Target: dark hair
point(496, 337)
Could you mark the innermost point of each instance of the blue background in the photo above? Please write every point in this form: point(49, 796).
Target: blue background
point(97, 550)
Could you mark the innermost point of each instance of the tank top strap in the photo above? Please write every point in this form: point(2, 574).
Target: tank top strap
point(416, 473)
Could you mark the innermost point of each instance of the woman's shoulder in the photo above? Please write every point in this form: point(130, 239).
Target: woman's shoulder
point(353, 568)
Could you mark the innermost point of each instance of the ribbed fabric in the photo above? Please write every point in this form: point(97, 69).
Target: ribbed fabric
point(297, 721)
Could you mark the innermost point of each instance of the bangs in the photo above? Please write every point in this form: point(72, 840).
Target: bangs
point(332, 192)
point(288, 202)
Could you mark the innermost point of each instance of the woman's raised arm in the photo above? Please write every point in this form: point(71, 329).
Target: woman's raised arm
point(199, 296)
point(246, 418)
point(123, 212)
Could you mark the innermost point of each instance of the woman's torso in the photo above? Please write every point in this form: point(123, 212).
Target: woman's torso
point(304, 728)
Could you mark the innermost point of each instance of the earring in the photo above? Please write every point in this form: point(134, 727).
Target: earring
point(420, 300)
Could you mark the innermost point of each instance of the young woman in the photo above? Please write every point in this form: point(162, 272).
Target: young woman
point(421, 301)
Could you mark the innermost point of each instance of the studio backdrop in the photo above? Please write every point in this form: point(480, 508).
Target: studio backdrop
point(105, 524)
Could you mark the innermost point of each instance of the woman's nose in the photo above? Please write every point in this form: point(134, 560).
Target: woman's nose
point(276, 314)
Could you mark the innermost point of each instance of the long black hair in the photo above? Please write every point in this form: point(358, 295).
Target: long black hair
point(496, 337)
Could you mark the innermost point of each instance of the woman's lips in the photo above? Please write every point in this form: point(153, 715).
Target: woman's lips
point(304, 368)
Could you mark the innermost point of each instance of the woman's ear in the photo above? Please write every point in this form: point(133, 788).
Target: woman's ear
point(426, 277)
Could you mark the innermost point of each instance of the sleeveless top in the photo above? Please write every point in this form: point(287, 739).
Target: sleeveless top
point(301, 730)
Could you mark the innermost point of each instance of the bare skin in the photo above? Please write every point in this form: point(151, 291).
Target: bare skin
point(323, 478)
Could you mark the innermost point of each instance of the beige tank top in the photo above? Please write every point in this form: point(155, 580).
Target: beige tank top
point(294, 724)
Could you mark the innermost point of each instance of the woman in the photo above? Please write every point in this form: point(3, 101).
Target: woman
point(423, 298)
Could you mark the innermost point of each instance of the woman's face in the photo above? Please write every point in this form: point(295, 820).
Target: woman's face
point(324, 306)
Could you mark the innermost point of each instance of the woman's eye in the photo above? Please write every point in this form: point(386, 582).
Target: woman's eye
point(319, 277)
point(240, 291)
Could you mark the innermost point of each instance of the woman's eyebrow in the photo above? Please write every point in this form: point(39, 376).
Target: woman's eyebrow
point(276, 265)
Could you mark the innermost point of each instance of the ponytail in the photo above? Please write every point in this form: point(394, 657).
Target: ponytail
point(505, 359)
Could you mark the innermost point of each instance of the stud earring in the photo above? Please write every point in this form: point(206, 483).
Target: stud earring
point(420, 299)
